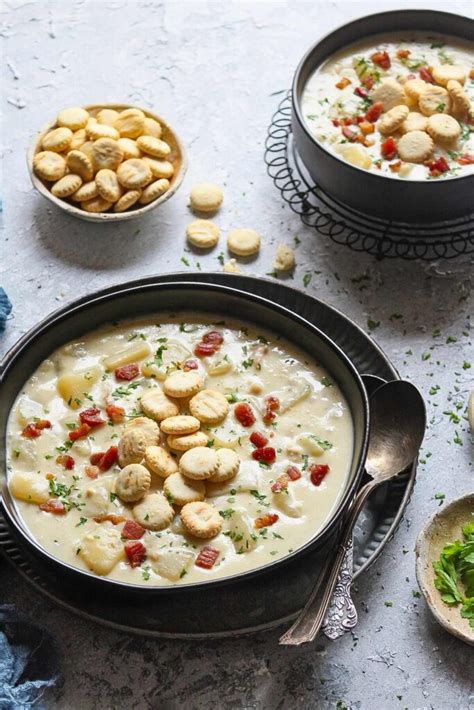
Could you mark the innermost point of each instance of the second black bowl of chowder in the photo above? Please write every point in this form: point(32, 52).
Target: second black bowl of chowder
point(397, 105)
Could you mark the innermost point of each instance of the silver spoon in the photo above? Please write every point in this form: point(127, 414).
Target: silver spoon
point(342, 615)
point(397, 427)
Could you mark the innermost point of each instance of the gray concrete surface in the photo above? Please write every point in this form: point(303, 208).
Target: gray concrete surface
point(214, 70)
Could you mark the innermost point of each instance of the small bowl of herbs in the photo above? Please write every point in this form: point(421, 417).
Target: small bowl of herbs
point(445, 566)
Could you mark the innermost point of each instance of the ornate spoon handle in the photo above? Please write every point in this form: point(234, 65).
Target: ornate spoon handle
point(310, 620)
point(342, 614)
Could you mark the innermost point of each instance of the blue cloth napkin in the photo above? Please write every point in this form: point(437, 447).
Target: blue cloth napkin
point(5, 309)
point(29, 662)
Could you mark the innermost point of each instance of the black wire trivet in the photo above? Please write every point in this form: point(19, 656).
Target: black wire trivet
point(345, 225)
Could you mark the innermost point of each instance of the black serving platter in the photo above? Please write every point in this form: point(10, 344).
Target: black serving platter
point(264, 601)
point(133, 299)
point(368, 192)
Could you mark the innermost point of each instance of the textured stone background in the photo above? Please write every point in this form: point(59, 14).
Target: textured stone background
point(213, 70)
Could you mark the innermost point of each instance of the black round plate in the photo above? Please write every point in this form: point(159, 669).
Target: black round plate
point(265, 601)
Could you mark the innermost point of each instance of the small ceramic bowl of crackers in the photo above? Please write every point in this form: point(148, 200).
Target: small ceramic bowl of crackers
point(107, 162)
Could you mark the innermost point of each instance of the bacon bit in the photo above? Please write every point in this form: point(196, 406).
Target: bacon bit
point(466, 159)
point(438, 166)
point(272, 404)
point(360, 119)
point(53, 505)
point(349, 121)
point(360, 91)
point(31, 432)
point(127, 372)
point(374, 112)
point(92, 472)
point(350, 135)
point(265, 520)
point(244, 413)
point(381, 59)
point(266, 454)
point(210, 344)
point(425, 74)
point(403, 53)
point(336, 122)
point(342, 83)
point(105, 459)
point(111, 518)
point(43, 424)
point(317, 472)
point(207, 557)
point(66, 461)
point(367, 81)
point(471, 74)
point(135, 552)
point(34, 429)
point(190, 365)
point(281, 484)
point(115, 414)
point(205, 349)
point(214, 337)
point(366, 127)
point(389, 148)
point(258, 439)
point(90, 417)
point(292, 474)
point(50, 476)
point(80, 432)
point(132, 530)
point(395, 167)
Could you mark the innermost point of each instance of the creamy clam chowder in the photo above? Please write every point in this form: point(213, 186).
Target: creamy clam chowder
point(400, 106)
point(170, 451)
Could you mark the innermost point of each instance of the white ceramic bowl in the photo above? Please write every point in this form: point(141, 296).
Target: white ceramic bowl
point(177, 156)
point(442, 528)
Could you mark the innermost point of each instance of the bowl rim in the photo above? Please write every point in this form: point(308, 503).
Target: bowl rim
point(420, 565)
point(137, 285)
point(107, 217)
point(296, 100)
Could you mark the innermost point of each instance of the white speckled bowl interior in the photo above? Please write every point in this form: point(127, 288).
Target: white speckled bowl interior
point(442, 528)
point(177, 156)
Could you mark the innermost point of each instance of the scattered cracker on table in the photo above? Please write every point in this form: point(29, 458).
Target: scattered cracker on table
point(243, 242)
point(284, 258)
point(203, 233)
point(206, 197)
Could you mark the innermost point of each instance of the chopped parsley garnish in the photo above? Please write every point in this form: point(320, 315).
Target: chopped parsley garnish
point(307, 278)
point(326, 382)
point(126, 390)
point(82, 521)
point(146, 573)
point(159, 354)
point(59, 489)
point(226, 514)
point(259, 496)
point(324, 444)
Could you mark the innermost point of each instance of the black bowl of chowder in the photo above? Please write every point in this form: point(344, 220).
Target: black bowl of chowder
point(154, 439)
point(382, 115)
